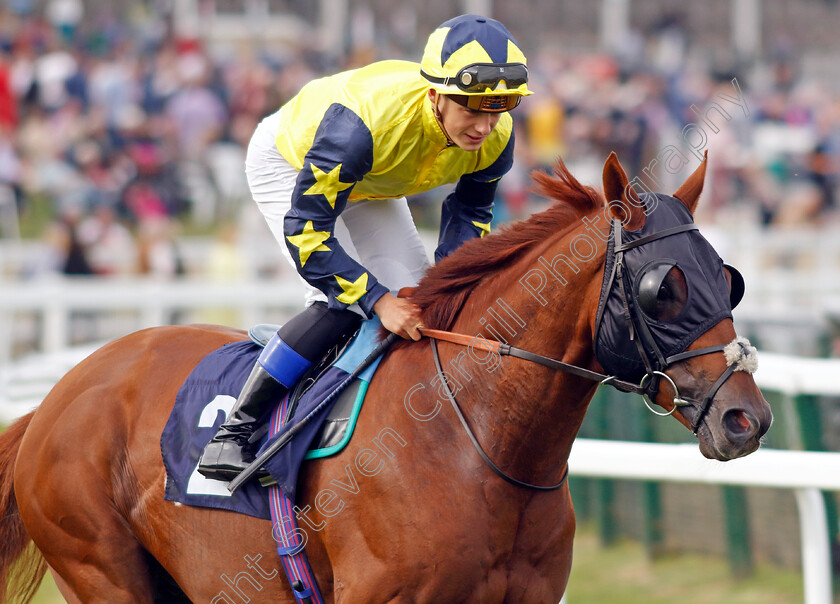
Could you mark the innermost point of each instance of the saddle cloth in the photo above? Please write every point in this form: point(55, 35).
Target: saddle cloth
point(209, 393)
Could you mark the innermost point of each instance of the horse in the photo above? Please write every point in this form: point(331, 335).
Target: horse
point(422, 517)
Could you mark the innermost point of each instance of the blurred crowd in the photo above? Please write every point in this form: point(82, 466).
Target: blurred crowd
point(123, 131)
point(774, 154)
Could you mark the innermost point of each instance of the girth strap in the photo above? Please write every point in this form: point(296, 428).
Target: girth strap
point(451, 396)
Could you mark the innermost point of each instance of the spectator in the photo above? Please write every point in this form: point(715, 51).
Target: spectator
point(158, 248)
point(196, 112)
point(111, 247)
point(8, 102)
point(65, 16)
point(154, 190)
point(65, 253)
point(171, 121)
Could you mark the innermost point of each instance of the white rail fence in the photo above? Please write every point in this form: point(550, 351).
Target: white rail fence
point(53, 303)
point(51, 307)
point(785, 268)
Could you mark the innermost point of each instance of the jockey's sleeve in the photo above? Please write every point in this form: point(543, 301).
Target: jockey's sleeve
point(341, 154)
point(468, 210)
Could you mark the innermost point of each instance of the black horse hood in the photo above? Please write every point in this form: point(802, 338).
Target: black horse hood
point(631, 280)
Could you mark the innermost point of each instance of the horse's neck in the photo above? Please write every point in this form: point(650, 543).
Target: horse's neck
point(528, 414)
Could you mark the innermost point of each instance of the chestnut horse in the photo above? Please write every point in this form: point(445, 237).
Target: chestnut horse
point(426, 520)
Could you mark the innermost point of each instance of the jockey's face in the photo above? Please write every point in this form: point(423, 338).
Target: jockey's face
point(465, 127)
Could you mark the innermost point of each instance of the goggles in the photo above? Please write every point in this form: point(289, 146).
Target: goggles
point(488, 103)
point(483, 78)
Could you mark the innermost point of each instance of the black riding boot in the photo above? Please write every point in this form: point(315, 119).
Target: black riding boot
point(299, 343)
point(227, 454)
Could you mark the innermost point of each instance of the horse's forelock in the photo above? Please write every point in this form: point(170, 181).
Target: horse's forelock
point(442, 292)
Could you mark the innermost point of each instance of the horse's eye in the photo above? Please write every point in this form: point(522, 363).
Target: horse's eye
point(661, 291)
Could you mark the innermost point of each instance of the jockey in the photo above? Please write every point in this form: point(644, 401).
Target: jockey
point(330, 172)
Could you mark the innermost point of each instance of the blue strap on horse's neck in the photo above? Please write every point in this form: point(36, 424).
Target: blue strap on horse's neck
point(285, 531)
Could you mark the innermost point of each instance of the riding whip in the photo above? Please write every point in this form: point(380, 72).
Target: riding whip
point(287, 436)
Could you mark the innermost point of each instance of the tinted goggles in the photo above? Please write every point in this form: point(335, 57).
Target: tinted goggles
point(483, 78)
point(488, 103)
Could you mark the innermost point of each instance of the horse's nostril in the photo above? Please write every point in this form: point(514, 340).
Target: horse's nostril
point(736, 422)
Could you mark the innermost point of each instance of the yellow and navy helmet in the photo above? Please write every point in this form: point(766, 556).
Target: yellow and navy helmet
point(475, 56)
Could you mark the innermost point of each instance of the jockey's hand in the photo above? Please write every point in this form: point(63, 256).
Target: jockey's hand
point(399, 316)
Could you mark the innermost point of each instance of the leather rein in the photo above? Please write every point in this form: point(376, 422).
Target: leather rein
point(503, 349)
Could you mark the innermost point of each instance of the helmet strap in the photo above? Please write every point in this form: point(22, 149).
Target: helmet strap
point(439, 119)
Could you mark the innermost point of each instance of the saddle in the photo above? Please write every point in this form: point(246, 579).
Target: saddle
point(339, 422)
point(210, 391)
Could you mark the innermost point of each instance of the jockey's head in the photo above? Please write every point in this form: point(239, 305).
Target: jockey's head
point(477, 63)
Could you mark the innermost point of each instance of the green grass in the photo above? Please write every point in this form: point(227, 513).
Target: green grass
point(622, 574)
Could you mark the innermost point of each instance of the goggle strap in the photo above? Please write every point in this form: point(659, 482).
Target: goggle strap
point(436, 80)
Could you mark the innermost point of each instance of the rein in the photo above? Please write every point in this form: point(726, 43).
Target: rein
point(451, 396)
point(503, 349)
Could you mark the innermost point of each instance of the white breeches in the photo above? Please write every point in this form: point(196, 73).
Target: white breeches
point(379, 234)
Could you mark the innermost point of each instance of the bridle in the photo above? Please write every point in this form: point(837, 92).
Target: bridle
point(655, 363)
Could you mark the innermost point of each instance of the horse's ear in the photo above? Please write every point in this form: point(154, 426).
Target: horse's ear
point(689, 191)
point(623, 202)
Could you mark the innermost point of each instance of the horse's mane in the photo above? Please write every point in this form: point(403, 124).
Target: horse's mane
point(442, 291)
